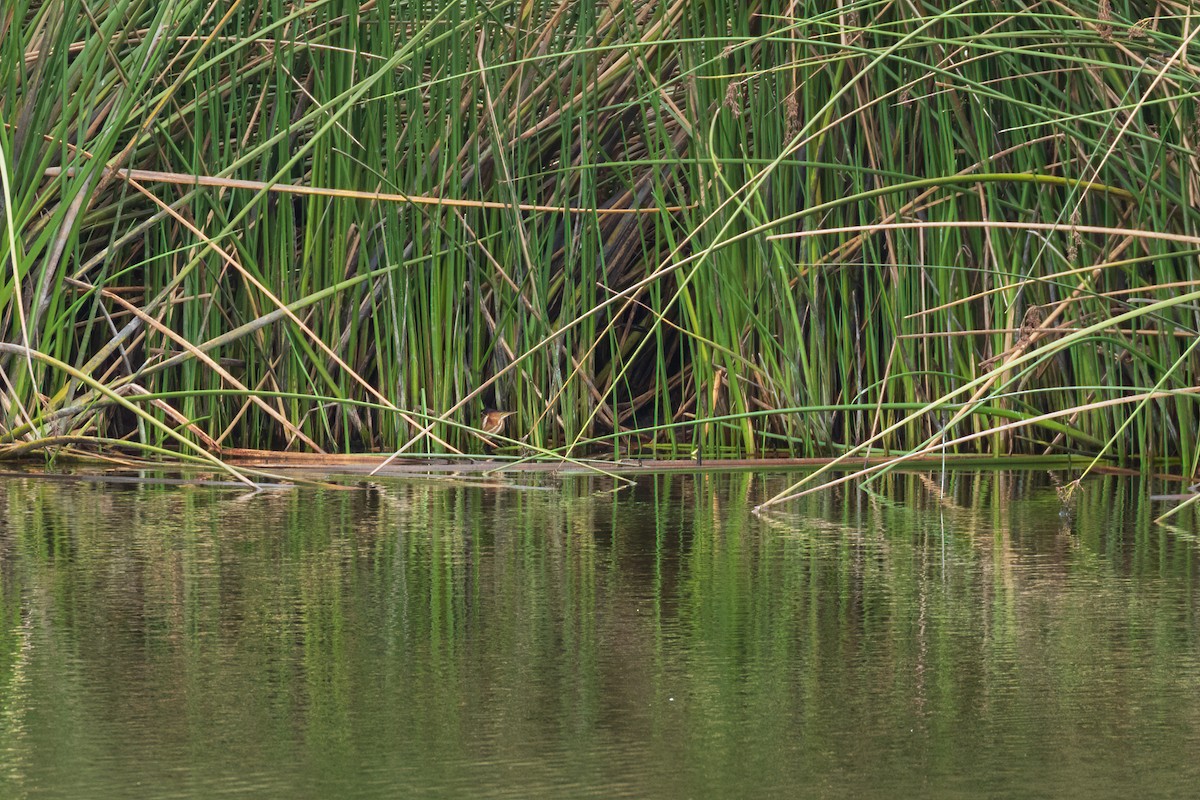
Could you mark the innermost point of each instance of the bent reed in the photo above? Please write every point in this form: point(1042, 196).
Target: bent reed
point(695, 228)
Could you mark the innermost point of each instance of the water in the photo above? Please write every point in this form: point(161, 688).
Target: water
point(439, 639)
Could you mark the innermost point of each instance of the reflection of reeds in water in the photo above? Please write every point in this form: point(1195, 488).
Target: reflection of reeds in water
point(811, 222)
point(452, 624)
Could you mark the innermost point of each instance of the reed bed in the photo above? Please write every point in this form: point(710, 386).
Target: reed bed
point(683, 228)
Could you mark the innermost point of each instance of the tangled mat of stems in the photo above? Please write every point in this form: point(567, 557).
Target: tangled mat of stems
point(690, 227)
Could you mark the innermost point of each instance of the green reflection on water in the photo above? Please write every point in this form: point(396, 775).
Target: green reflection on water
point(432, 639)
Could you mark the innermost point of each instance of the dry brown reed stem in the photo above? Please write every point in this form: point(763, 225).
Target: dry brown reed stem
point(183, 179)
point(1181, 238)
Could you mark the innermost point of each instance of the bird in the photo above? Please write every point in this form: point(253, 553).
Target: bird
point(493, 421)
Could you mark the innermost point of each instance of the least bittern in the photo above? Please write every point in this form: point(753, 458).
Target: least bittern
point(493, 422)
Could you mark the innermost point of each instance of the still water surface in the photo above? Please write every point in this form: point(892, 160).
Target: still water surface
point(435, 639)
